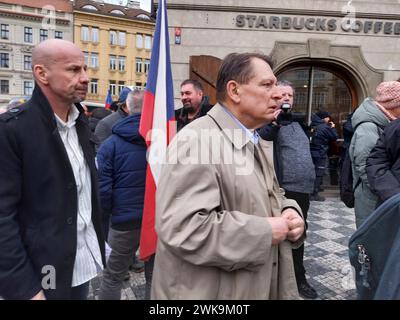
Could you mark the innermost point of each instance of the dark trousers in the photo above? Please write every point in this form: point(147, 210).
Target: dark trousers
point(80, 292)
point(303, 200)
point(320, 167)
point(148, 274)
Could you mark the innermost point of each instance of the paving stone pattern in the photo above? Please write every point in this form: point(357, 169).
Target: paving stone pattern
point(326, 261)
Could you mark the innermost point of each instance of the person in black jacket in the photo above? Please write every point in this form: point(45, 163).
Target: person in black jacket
point(324, 133)
point(383, 163)
point(50, 220)
point(195, 104)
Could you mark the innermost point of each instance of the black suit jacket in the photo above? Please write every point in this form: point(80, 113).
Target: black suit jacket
point(38, 200)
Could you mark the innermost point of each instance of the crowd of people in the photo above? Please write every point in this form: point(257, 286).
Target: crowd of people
point(73, 180)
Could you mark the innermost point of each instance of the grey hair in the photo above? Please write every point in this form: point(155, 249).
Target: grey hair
point(284, 83)
point(134, 101)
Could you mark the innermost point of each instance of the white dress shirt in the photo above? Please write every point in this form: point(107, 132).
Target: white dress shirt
point(88, 257)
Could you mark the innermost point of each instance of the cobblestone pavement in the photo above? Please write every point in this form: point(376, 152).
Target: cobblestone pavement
point(326, 256)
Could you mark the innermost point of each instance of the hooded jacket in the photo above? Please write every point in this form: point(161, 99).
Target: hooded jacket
point(122, 165)
point(368, 122)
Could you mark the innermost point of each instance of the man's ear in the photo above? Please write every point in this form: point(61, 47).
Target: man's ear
point(40, 73)
point(232, 91)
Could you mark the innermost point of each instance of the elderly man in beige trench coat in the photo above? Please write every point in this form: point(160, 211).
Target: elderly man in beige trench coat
point(225, 229)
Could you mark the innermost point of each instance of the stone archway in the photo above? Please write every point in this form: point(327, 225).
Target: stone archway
point(348, 58)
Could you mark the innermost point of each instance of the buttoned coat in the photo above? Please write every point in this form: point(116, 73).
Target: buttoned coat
point(213, 197)
point(39, 202)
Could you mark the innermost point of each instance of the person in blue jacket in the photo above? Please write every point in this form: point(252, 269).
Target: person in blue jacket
point(122, 177)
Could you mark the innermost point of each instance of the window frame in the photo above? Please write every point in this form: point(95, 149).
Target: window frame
point(43, 35)
point(5, 31)
point(28, 34)
point(25, 62)
point(30, 88)
point(2, 81)
point(4, 56)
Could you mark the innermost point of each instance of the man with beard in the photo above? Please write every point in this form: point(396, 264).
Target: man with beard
point(195, 104)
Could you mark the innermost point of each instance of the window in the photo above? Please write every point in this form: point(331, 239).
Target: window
point(112, 87)
point(58, 34)
point(121, 64)
point(5, 31)
point(122, 38)
point(121, 85)
point(28, 35)
point(138, 65)
point(139, 41)
point(4, 60)
point(4, 86)
point(113, 37)
point(89, 7)
point(44, 34)
point(138, 84)
point(113, 65)
point(28, 88)
point(93, 86)
point(117, 12)
point(146, 65)
point(319, 100)
point(147, 42)
point(86, 56)
point(95, 35)
point(27, 62)
point(94, 60)
point(143, 16)
point(85, 33)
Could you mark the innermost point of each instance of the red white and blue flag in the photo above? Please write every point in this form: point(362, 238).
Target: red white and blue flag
point(157, 125)
point(108, 100)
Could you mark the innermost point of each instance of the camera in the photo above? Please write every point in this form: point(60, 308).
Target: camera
point(286, 107)
point(285, 117)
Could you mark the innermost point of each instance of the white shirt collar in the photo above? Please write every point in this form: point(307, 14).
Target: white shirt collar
point(252, 134)
point(73, 114)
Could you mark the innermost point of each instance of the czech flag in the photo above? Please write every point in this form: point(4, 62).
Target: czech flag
point(108, 100)
point(157, 125)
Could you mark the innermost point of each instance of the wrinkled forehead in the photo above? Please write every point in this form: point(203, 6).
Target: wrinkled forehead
point(259, 71)
point(285, 90)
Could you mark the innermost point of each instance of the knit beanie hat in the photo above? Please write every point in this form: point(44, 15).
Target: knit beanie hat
point(388, 94)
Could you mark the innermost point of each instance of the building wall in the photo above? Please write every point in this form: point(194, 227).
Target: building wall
point(104, 49)
point(17, 17)
point(212, 28)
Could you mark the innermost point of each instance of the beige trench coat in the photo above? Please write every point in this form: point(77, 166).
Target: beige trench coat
point(214, 241)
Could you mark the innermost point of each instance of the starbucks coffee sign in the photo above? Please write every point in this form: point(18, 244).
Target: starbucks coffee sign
point(318, 24)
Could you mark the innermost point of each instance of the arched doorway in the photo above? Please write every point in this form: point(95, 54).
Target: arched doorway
point(319, 86)
point(323, 86)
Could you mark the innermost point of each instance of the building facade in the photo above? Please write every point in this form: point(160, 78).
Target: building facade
point(116, 41)
point(335, 52)
point(23, 24)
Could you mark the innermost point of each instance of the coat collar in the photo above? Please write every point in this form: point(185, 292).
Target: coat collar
point(40, 100)
point(229, 126)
